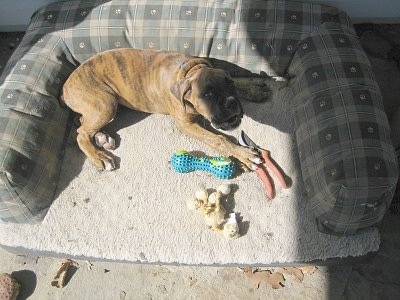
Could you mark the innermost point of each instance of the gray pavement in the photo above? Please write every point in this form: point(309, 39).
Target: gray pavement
point(375, 278)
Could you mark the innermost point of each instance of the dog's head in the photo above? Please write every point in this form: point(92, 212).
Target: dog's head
point(212, 94)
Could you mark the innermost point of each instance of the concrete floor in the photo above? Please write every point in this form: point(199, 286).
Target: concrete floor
point(375, 278)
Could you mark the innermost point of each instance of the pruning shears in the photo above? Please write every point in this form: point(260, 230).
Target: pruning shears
point(262, 172)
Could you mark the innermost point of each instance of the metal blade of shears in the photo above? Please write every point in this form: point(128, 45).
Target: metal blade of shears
point(244, 140)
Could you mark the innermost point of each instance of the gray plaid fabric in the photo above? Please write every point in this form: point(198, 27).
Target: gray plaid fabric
point(348, 163)
point(255, 35)
point(32, 128)
point(347, 160)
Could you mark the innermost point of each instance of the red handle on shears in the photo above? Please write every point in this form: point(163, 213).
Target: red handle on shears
point(267, 182)
point(267, 160)
point(264, 176)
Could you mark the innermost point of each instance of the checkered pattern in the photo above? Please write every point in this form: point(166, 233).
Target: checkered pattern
point(32, 128)
point(346, 157)
point(347, 160)
point(255, 35)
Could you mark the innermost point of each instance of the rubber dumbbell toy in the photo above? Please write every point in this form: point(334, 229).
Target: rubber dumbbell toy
point(221, 166)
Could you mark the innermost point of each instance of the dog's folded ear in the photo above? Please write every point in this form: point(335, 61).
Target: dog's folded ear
point(181, 89)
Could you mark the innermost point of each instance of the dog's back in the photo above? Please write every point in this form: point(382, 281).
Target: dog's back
point(129, 75)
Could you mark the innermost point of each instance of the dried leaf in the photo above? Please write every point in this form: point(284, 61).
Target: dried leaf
point(59, 279)
point(191, 281)
point(258, 276)
point(247, 269)
point(308, 269)
point(297, 273)
point(89, 265)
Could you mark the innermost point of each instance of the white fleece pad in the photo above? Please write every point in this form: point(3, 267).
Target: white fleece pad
point(138, 213)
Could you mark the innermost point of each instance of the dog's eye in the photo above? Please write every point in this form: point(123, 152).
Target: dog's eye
point(208, 94)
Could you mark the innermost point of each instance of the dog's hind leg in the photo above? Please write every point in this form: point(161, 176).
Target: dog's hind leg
point(91, 124)
point(102, 159)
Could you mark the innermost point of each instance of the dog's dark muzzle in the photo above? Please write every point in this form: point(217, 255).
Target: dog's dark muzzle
point(230, 115)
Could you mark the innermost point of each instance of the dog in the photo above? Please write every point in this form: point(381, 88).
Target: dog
point(153, 81)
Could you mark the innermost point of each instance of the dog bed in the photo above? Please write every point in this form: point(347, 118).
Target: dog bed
point(342, 163)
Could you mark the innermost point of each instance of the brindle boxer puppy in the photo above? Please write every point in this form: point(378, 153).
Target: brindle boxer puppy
point(154, 82)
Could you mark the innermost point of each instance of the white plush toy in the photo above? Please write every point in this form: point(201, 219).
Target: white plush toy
point(214, 212)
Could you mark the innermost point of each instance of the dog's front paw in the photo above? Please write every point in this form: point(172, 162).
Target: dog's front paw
point(253, 89)
point(248, 158)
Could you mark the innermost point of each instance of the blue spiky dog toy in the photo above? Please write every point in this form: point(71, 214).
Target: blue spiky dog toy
point(221, 166)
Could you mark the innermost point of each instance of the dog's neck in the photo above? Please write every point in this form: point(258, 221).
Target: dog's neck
point(192, 65)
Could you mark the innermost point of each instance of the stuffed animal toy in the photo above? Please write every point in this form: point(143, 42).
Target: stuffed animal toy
point(214, 212)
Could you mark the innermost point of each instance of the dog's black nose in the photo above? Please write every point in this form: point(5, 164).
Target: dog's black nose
point(231, 103)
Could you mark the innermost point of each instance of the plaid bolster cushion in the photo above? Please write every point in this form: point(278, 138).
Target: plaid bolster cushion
point(347, 160)
point(32, 127)
point(256, 35)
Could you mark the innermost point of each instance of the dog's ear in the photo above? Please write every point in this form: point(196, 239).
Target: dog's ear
point(181, 89)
